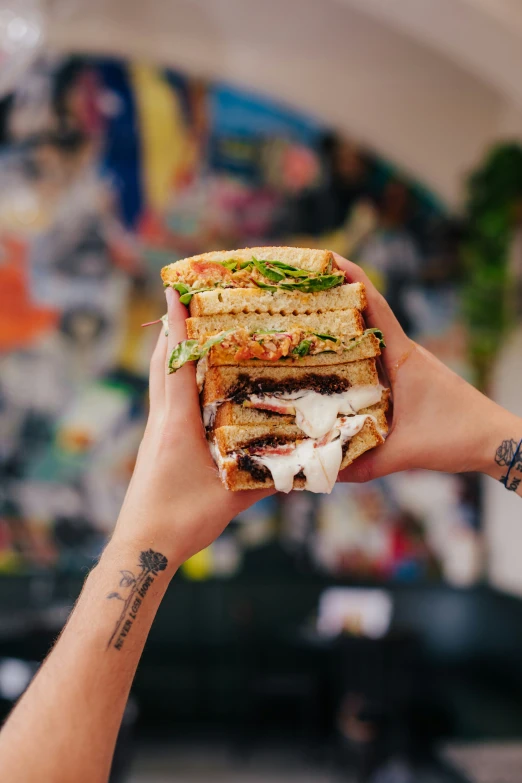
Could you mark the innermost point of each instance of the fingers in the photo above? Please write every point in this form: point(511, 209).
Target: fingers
point(381, 461)
point(180, 387)
point(176, 318)
point(378, 314)
point(157, 373)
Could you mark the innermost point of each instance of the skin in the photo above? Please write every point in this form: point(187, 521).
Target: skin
point(70, 715)
point(440, 422)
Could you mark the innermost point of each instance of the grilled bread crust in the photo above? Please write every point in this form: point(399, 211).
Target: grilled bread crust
point(255, 300)
point(224, 382)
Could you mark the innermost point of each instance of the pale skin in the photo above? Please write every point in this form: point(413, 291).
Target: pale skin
point(440, 422)
point(175, 506)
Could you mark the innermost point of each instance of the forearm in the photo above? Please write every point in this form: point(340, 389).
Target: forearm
point(71, 713)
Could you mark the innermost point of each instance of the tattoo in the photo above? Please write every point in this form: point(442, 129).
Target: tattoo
point(150, 564)
point(509, 455)
point(505, 453)
point(513, 485)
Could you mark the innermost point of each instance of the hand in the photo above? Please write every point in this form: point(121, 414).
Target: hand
point(176, 502)
point(440, 422)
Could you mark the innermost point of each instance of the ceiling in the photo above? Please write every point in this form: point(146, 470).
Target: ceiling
point(427, 84)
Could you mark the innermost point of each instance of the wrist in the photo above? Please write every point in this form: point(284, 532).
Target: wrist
point(125, 547)
point(175, 528)
point(501, 437)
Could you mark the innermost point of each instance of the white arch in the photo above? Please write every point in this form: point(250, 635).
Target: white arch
point(403, 95)
point(482, 36)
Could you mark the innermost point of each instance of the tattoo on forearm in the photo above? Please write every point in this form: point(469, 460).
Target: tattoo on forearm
point(509, 455)
point(150, 564)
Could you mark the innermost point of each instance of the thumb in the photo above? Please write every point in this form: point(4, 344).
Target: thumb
point(181, 390)
point(379, 314)
point(388, 458)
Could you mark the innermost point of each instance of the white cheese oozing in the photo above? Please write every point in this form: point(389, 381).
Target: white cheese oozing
point(209, 413)
point(217, 457)
point(201, 371)
point(319, 463)
point(350, 425)
point(316, 413)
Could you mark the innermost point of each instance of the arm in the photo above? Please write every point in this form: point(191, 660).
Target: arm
point(440, 422)
point(65, 726)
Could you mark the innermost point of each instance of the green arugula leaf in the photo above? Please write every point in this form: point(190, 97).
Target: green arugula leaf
point(301, 273)
point(234, 264)
point(313, 284)
point(186, 351)
point(191, 350)
point(326, 337)
point(303, 349)
point(264, 286)
point(378, 334)
point(270, 274)
point(186, 296)
point(181, 288)
point(289, 271)
point(355, 341)
point(231, 263)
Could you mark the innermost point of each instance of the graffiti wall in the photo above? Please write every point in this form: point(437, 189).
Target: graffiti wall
point(108, 171)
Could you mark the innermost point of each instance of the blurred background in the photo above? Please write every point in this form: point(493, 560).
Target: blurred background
point(370, 635)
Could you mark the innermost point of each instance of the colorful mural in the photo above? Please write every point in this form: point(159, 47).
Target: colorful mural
point(109, 170)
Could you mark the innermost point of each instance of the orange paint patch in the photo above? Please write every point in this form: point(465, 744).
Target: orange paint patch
point(21, 321)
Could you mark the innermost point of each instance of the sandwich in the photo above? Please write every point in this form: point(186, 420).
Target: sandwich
point(252, 339)
point(268, 269)
point(290, 392)
point(314, 397)
point(292, 430)
point(279, 455)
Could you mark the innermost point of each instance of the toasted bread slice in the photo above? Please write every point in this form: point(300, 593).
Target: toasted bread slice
point(235, 475)
point(232, 414)
point(226, 382)
point(255, 300)
point(319, 261)
point(238, 436)
point(341, 323)
point(369, 347)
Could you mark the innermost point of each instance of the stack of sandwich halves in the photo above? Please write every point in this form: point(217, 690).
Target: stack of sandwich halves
point(289, 387)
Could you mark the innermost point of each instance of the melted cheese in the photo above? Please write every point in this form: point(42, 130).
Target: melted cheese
point(201, 371)
point(209, 413)
point(349, 426)
point(218, 458)
point(316, 413)
point(320, 464)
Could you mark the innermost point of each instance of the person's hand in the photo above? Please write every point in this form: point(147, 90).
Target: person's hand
point(440, 422)
point(176, 502)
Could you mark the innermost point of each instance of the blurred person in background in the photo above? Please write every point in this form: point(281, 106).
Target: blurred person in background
point(390, 254)
point(346, 180)
point(175, 506)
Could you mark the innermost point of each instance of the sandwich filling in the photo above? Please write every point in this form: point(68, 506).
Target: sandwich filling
point(269, 275)
point(316, 414)
point(236, 345)
point(318, 460)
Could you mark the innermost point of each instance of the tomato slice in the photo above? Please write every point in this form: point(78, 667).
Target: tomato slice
point(212, 269)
